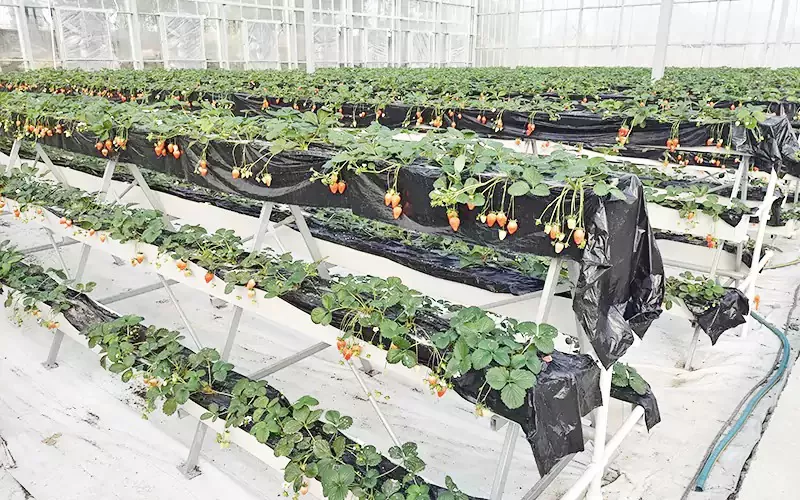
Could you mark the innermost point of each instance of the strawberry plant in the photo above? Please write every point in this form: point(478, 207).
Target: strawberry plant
point(624, 375)
point(695, 291)
point(311, 438)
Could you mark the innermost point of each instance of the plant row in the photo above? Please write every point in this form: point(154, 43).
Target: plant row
point(323, 222)
point(698, 95)
point(508, 354)
point(311, 438)
point(482, 176)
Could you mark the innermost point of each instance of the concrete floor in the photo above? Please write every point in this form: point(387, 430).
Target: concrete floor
point(776, 462)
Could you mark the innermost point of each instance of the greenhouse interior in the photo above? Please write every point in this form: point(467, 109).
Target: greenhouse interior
point(399, 249)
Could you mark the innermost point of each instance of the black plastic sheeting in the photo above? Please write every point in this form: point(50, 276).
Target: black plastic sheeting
point(579, 126)
point(730, 312)
point(621, 279)
point(778, 148)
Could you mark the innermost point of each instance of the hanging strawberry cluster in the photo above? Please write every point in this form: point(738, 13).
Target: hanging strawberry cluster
point(564, 220)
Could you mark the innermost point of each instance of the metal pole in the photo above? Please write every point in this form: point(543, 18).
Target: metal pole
point(39, 248)
point(579, 30)
point(55, 345)
point(133, 293)
point(601, 427)
point(222, 36)
point(59, 175)
point(108, 174)
point(763, 217)
point(687, 365)
point(12, 160)
point(189, 467)
point(136, 39)
point(181, 313)
point(58, 252)
point(504, 464)
point(148, 193)
point(237, 316)
point(374, 403)
point(24, 36)
point(546, 480)
point(85, 249)
point(662, 39)
point(781, 32)
point(513, 40)
point(308, 25)
point(263, 221)
point(311, 244)
point(553, 273)
point(127, 190)
point(288, 361)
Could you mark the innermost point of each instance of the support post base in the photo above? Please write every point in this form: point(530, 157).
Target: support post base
point(189, 473)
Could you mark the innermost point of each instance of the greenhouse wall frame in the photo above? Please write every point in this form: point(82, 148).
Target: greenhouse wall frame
point(263, 34)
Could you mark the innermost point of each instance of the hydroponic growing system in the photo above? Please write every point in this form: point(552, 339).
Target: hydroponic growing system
point(603, 175)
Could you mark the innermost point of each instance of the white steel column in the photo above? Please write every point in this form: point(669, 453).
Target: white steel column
point(308, 25)
point(162, 28)
point(765, 58)
point(513, 36)
point(24, 37)
point(706, 57)
point(473, 32)
point(777, 51)
point(578, 31)
point(222, 33)
point(135, 31)
point(662, 39)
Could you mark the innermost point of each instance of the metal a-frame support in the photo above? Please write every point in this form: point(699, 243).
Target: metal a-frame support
point(189, 467)
point(512, 428)
point(58, 173)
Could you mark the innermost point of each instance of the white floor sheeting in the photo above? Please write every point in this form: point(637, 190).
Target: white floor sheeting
point(106, 451)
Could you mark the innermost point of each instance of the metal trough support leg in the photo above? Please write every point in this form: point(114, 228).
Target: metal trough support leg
point(759, 244)
point(189, 468)
point(149, 194)
point(181, 313)
point(598, 454)
point(311, 244)
point(232, 330)
point(57, 172)
point(549, 290)
point(288, 361)
point(266, 227)
point(14, 156)
point(58, 252)
point(84, 259)
point(504, 464)
point(374, 404)
point(796, 191)
point(687, 365)
point(52, 355)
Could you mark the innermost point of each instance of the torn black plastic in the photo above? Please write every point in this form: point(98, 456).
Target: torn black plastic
point(730, 312)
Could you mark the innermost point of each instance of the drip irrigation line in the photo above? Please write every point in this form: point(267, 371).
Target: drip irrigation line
point(736, 421)
point(785, 264)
